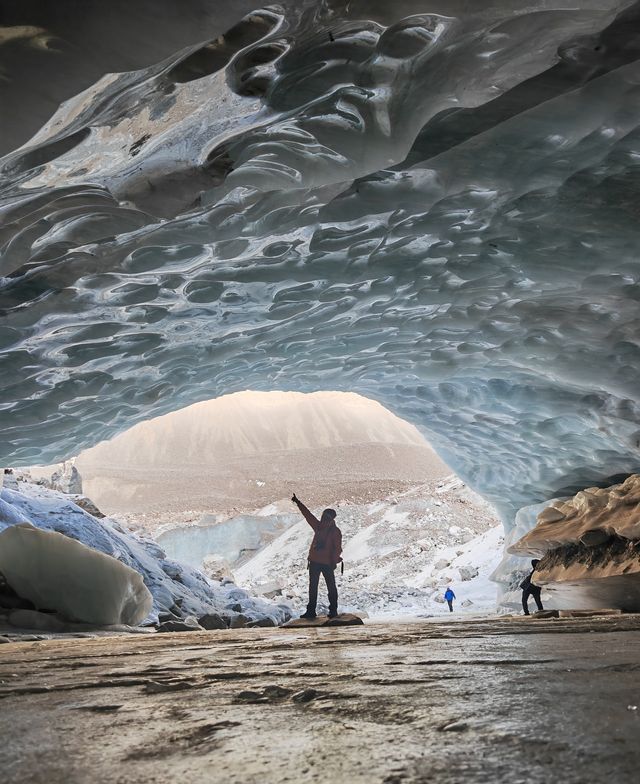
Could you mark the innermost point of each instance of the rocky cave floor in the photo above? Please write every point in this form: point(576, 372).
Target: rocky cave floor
point(495, 700)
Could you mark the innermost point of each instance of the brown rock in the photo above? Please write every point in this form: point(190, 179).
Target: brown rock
point(346, 619)
point(303, 623)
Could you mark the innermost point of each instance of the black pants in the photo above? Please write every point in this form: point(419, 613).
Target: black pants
point(532, 591)
point(450, 603)
point(315, 570)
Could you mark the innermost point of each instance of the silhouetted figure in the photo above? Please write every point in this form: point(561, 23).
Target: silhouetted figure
point(529, 589)
point(449, 595)
point(324, 555)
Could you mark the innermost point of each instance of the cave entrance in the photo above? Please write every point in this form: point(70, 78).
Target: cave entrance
point(212, 484)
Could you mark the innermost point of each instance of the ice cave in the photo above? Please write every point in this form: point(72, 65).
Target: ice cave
point(429, 204)
point(435, 209)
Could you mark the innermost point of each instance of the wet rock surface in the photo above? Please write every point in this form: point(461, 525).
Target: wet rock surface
point(415, 703)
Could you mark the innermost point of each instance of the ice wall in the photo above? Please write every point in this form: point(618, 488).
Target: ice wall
point(589, 546)
point(590, 518)
point(58, 573)
point(434, 205)
point(234, 539)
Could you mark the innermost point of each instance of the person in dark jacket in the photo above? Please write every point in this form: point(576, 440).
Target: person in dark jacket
point(529, 589)
point(324, 555)
point(449, 596)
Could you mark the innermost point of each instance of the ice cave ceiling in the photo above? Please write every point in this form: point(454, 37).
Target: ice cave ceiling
point(434, 204)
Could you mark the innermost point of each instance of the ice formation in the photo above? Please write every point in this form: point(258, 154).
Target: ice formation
point(589, 546)
point(67, 480)
point(174, 587)
point(234, 539)
point(58, 573)
point(434, 205)
point(589, 518)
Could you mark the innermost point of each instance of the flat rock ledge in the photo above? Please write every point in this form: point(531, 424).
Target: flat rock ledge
point(344, 619)
point(543, 615)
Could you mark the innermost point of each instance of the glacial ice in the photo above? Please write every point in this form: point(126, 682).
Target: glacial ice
point(434, 205)
point(58, 573)
point(234, 539)
point(609, 511)
point(589, 546)
point(171, 584)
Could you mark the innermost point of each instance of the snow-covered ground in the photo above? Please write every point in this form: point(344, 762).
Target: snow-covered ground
point(400, 554)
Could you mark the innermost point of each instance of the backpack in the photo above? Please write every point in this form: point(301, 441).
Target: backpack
point(526, 583)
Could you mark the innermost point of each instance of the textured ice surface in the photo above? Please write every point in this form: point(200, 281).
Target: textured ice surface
point(589, 546)
point(589, 517)
point(435, 205)
point(56, 572)
point(170, 583)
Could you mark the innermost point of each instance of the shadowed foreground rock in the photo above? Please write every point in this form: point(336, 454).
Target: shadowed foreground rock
point(477, 701)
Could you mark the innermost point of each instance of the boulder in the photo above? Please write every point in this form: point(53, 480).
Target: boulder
point(546, 614)
point(34, 620)
point(441, 563)
point(212, 621)
point(344, 619)
point(217, 568)
point(87, 504)
point(303, 623)
point(468, 572)
point(179, 626)
point(164, 617)
point(265, 622)
point(594, 538)
point(239, 621)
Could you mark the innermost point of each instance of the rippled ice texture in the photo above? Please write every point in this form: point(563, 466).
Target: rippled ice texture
point(432, 204)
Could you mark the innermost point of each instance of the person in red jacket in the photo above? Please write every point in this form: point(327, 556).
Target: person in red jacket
point(324, 555)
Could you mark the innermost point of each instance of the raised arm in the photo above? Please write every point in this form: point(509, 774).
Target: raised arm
point(308, 516)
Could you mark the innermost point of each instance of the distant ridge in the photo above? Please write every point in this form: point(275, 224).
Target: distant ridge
point(247, 449)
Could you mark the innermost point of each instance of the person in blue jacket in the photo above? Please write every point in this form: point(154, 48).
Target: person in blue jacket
point(449, 595)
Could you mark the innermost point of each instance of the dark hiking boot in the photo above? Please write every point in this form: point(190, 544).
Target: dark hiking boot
point(333, 614)
point(309, 616)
